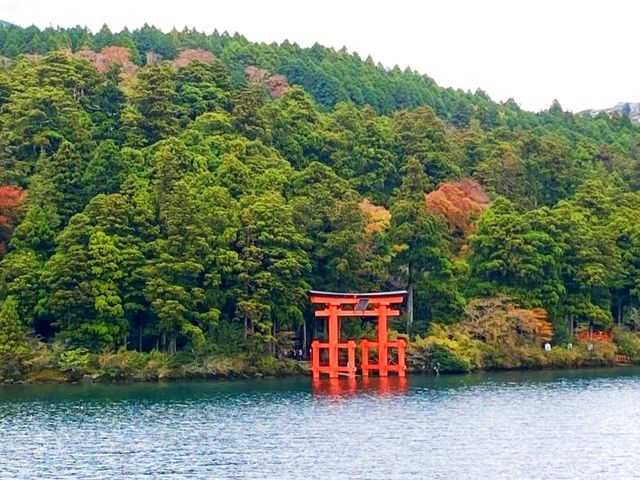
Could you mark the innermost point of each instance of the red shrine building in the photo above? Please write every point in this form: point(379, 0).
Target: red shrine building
point(329, 357)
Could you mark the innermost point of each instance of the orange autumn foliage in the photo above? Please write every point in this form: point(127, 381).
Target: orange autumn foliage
point(459, 202)
point(11, 202)
point(377, 217)
point(499, 320)
point(532, 323)
point(588, 336)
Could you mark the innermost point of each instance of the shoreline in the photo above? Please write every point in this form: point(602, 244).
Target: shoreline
point(302, 370)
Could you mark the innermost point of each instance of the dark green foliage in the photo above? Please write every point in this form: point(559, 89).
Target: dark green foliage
point(106, 170)
point(64, 171)
point(14, 347)
point(248, 114)
point(154, 115)
point(421, 135)
point(187, 209)
point(295, 127)
point(151, 39)
point(519, 252)
point(271, 266)
point(202, 88)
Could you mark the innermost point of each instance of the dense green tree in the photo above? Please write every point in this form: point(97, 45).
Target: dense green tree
point(517, 254)
point(249, 116)
point(344, 256)
point(67, 302)
point(107, 115)
point(150, 39)
point(271, 267)
point(64, 170)
point(590, 263)
point(19, 278)
point(14, 347)
point(37, 231)
point(295, 127)
point(35, 123)
point(105, 171)
point(103, 38)
point(105, 263)
point(201, 88)
point(152, 97)
point(365, 153)
point(552, 171)
point(421, 135)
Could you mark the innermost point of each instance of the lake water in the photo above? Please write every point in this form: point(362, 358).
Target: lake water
point(563, 424)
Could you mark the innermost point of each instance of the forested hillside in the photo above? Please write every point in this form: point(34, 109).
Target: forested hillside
point(183, 191)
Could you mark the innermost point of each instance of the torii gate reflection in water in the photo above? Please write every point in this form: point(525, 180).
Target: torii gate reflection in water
point(341, 305)
point(349, 387)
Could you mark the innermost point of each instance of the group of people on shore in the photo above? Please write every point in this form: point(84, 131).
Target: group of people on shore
point(297, 353)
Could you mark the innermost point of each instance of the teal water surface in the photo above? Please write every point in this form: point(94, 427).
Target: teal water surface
point(565, 424)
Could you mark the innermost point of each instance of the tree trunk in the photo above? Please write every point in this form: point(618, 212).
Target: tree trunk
point(620, 313)
point(304, 335)
point(246, 326)
point(140, 337)
point(410, 290)
point(273, 342)
point(573, 325)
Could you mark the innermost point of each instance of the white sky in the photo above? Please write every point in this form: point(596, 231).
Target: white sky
point(584, 53)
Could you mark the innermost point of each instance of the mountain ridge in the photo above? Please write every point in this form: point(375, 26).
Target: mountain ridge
point(632, 109)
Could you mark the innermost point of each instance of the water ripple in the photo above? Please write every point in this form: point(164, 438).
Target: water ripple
point(514, 425)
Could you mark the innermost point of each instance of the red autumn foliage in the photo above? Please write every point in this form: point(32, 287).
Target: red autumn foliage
point(276, 84)
point(11, 202)
point(185, 57)
point(461, 203)
point(588, 336)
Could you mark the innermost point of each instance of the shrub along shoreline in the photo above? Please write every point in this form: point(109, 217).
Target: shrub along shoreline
point(433, 355)
point(493, 334)
point(52, 365)
point(497, 334)
point(430, 355)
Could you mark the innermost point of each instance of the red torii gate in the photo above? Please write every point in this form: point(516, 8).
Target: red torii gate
point(340, 305)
